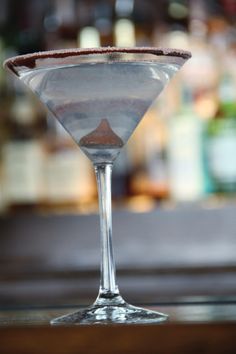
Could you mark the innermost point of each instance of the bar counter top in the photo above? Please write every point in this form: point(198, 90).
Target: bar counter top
point(194, 326)
point(49, 267)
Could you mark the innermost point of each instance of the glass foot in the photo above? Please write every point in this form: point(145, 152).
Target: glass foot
point(108, 311)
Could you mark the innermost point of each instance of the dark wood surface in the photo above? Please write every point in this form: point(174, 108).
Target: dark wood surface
point(190, 269)
point(167, 339)
point(200, 328)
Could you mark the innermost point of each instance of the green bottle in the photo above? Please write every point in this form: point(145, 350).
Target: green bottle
point(221, 140)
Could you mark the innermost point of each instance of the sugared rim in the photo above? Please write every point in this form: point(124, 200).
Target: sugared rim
point(28, 60)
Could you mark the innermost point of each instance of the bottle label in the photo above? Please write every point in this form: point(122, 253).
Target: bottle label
point(23, 168)
point(222, 157)
point(185, 159)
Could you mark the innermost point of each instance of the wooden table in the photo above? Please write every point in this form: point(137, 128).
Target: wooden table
point(195, 326)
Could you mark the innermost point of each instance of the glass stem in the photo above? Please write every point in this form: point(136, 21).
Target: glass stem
point(108, 287)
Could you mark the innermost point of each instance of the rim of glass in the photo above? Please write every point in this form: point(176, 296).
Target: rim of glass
point(35, 60)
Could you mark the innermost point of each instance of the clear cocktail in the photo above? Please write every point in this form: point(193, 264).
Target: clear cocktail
point(100, 96)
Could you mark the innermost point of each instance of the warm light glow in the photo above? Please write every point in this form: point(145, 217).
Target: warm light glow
point(89, 38)
point(124, 33)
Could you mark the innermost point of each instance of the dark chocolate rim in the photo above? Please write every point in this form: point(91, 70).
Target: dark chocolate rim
point(28, 60)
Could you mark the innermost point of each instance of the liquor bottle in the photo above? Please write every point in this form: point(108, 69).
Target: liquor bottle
point(3, 205)
point(156, 155)
point(21, 147)
point(2, 72)
point(103, 21)
point(88, 35)
point(123, 36)
point(23, 155)
point(221, 138)
point(124, 28)
point(185, 152)
point(149, 177)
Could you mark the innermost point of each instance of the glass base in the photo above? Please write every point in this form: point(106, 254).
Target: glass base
point(111, 311)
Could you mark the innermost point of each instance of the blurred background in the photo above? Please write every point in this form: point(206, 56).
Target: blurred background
point(180, 164)
point(184, 149)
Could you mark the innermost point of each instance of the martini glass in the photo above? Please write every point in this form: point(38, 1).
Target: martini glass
point(100, 96)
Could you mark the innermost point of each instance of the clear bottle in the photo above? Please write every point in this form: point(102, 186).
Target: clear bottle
point(88, 35)
point(221, 139)
point(185, 152)
point(124, 27)
point(23, 155)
